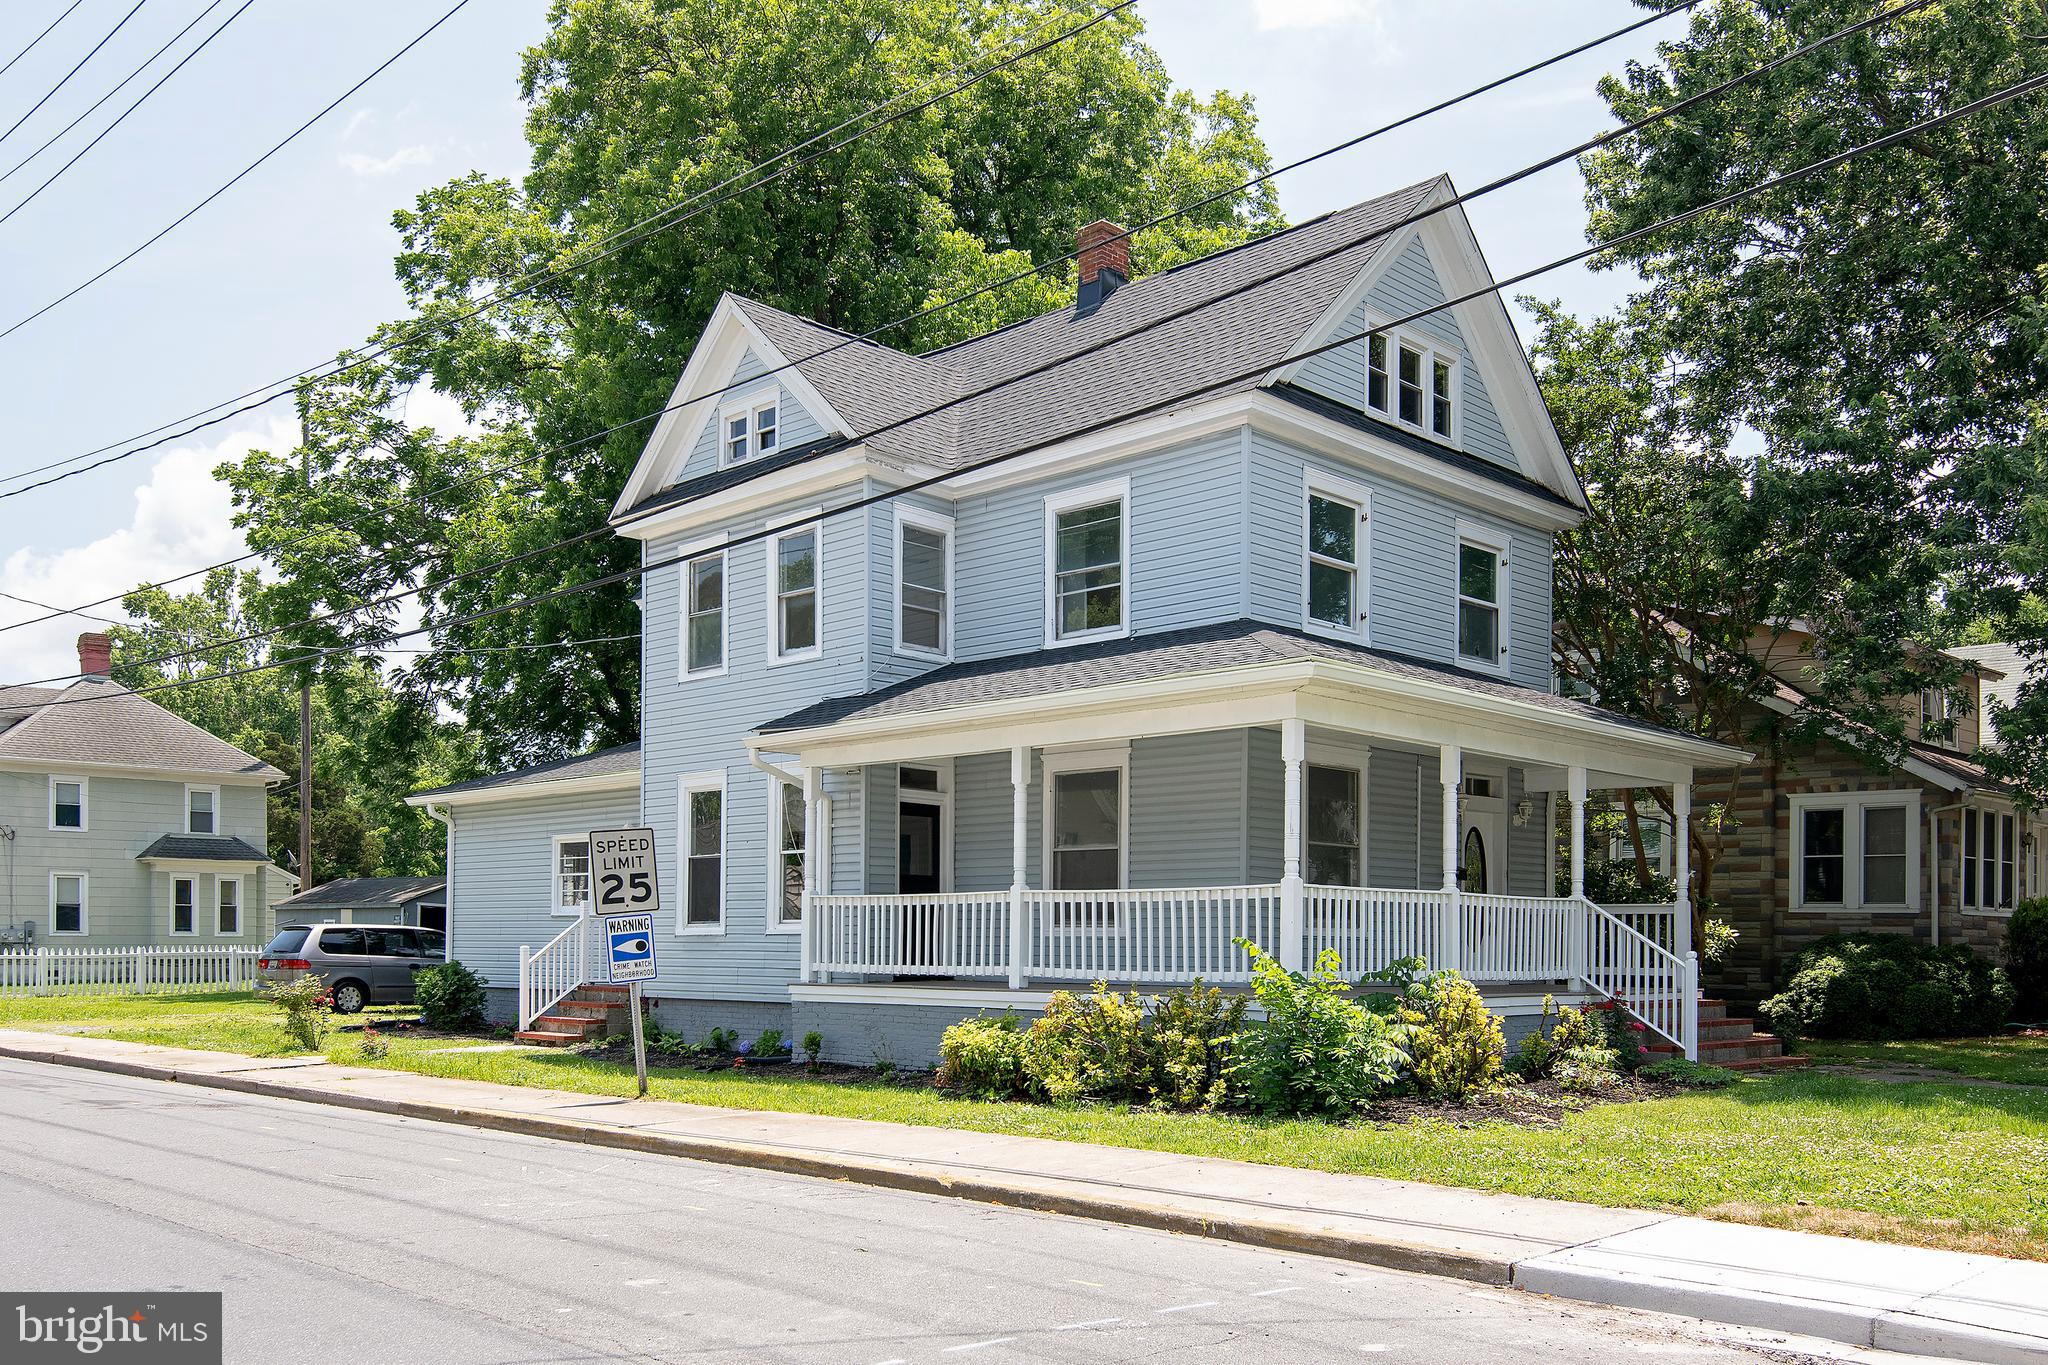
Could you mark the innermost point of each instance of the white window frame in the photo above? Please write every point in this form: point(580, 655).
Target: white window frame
point(772, 589)
point(1484, 538)
point(1432, 351)
point(939, 524)
point(555, 845)
point(84, 904)
point(84, 805)
point(940, 797)
point(748, 407)
point(1853, 804)
point(1333, 488)
point(1323, 754)
point(1937, 709)
point(1109, 490)
point(1095, 759)
point(688, 556)
point(1989, 858)
point(171, 907)
point(687, 785)
point(190, 788)
point(776, 786)
point(221, 884)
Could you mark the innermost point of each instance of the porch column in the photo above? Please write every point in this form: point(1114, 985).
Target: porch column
point(1451, 773)
point(1681, 867)
point(814, 872)
point(1020, 794)
point(1293, 901)
point(1576, 795)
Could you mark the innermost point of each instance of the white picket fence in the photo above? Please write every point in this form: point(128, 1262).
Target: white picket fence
point(156, 969)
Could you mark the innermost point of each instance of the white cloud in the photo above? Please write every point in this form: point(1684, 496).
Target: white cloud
point(181, 521)
point(356, 163)
point(1317, 13)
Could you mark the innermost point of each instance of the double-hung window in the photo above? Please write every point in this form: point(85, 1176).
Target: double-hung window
point(67, 803)
point(227, 911)
point(1409, 379)
point(1482, 597)
point(1337, 542)
point(701, 809)
point(749, 428)
point(184, 895)
point(1440, 405)
point(67, 902)
point(789, 831)
point(793, 631)
point(1333, 826)
point(202, 810)
point(1936, 713)
point(571, 874)
point(1087, 829)
point(1412, 360)
point(1856, 850)
point(924, 583)
point(1990, 860)
point(1376, 381)
point(1087, 563)
point(704, 615)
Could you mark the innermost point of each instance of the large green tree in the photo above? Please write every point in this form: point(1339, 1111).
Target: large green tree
point(636, 106)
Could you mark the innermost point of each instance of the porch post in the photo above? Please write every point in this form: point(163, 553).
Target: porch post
point(1681, 866)
point(814, 872)
point(1451, 772)
point(1020, 793)
point(1293, 900)
point(1576, 794)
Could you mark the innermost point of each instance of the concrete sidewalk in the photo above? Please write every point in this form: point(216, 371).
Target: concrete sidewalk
point(1934, 1303)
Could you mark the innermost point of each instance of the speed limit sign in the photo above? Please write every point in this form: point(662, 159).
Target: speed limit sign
point(622, 876)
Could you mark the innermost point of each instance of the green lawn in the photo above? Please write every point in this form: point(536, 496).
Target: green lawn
point(2019, 1061)
point(1942, 1165)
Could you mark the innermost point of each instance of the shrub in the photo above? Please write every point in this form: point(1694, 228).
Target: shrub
point(1717, 937)
point(982, 1056)
point(1587, 1070)
point(450, 997)
point(1689, 1074)
point(1559, 1031)
point(814, 1043)
point(1887, 986)
point(1615, 1029)
point(720, 1040)
point(374, 1046)
point(1317, 1051)
point(305, 1004)
point(770, 1044)
point(2026, 959)
point(1452, 1039)
point(1092, 1048)
point(1188, 1035)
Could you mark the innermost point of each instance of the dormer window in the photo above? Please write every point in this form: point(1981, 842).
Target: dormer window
point(1936, 715)
point(751, 427)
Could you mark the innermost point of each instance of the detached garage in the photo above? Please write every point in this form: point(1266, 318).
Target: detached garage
point(421, 901)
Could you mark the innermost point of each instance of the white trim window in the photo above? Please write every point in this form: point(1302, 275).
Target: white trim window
point(1937, 716)
point(202, 810)
point(1482, 586)
point(786, 857)
point(750, 427)
point(704, 614)
point(1990, 860)
point(1856, 850)
point(70, 903)
point(1087, 563)
point(1414, 381)
point(184, 905)
point(569, 875)
point(1378, 376)
point(700, 834)
point(924, 583)
point(227, 907)
point(1333, 824)
point(796, 618)
point(1337, 544)
point(1087, 819)
point(68, 802)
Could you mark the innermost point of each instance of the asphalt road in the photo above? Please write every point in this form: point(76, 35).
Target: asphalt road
point(345, 1237)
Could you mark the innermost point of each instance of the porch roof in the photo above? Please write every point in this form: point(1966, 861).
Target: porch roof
point(1239, 655)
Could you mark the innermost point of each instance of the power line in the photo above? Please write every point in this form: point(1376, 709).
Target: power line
point(139, 102)
point(40, 36)
point(45, 606)
point(1807, 171)
point(955, 301)
point(723, 192)
point(63, 80)
point(233, 180)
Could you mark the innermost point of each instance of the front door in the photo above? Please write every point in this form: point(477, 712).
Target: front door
point(1483, 835)
point(918, 832)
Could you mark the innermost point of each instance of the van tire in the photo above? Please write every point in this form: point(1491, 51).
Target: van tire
point(349, 996)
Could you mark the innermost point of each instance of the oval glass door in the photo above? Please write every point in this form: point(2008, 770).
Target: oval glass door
point(1473, 870)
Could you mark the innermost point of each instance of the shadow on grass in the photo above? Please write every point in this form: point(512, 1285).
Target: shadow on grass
point(1852, 1093)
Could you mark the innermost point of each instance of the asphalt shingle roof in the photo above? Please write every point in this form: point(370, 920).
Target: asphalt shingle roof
point(621, 758)
point(98, 721)
point(366, 893)
point(208, 848)
point(1198, 649)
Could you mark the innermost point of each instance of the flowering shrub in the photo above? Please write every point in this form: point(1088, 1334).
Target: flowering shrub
point(1452, 1039)
point(1317, 1052)
point(306, 1005)
point(985, 1058)
point(1092, 1048)
point(374, 1045)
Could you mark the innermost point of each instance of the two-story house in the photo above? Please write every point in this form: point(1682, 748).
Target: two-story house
point(123, 825)
point(1085, 648)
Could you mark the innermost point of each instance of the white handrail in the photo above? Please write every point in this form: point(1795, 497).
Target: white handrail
point(1656, 985)
point(548, 976)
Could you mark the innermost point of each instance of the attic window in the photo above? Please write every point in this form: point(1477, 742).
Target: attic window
point(750, 427)
point(1408, 379)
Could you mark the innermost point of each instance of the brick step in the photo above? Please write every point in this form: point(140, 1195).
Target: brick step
point(1726, 1028)
point(577, 1024)
point(595, 1009)
point(596, 992)
point(1780, 1063)
point(548, 1037)
point(1713, 1011)
point(1721, 1051)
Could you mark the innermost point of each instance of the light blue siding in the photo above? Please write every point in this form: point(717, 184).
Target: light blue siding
point(1526, 853)
point(796, 423)
point(1393, 853)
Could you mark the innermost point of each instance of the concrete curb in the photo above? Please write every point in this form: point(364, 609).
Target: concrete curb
point(1037, 1196)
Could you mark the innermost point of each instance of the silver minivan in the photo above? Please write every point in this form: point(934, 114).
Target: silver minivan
point(362, 964)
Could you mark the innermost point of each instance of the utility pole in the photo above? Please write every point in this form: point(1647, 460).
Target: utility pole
point(305, 700)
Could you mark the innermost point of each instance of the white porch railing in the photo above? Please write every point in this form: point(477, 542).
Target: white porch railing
point(547, 977)
point(959, 933)
point(1658, 987)
point(1150, 935)
point(1657, 923)
point(1372, 927)
point(1518, 938)
point(151, 969)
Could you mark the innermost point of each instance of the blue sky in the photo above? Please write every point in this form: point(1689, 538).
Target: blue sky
point(295, 261)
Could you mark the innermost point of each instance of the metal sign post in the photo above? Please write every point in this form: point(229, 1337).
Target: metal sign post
point(623, 878)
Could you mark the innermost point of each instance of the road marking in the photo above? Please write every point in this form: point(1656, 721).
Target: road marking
point(1375, 1348)
point(1090, 1283)
point(1269, 1293)
point(1185, 1307)
point(977, 1345)
point(1077, 1326)
point(642, 1284)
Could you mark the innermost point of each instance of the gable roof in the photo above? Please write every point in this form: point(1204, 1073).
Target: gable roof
point(98, 723)
point(1199, 355)
point(619, 761)
point(366, 893)
point(203, 848)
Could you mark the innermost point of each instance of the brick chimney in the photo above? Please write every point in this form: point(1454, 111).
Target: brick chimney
point(1104, 255)
point(95, 655)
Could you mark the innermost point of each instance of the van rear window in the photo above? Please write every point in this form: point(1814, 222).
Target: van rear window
point(289, 941)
